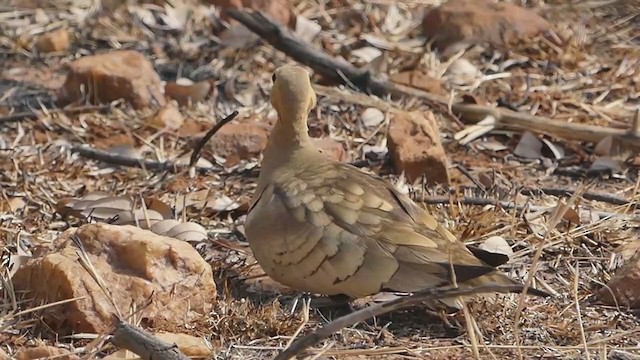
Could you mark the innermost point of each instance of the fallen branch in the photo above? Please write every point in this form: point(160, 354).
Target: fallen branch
point(324, 332)
point(31, 115)
point(347, 74)
point(198, 148)
point(175, 167)
point(115, 159)
point(144, 344)
point(479, 201)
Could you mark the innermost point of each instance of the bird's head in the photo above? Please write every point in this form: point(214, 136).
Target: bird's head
point(292, 95)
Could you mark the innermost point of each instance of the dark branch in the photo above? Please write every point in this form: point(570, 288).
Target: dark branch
point(331, 328)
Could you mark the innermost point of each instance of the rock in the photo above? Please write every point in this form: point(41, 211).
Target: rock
point(239, 141)
point(278, 10)
point(137, 266)
point(189, 345)
point(419, 80)
point(45, 352)
point(53, 41)
point(414, 144)
point(622, 290)
point(121, 74)
point(467, 22)
point(167, 117)
point(185, 94)
point(332, 148)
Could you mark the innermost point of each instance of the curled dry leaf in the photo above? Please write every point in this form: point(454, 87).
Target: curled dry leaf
point(497, 245)
point(155, 215)
point(205, 199)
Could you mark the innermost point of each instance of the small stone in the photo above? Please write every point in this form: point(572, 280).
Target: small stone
point(45, 352)
point(471, 22)
point(53, 41)
point(121, 74)
point(137, 266)
point(414, 144)
point(623, 290)
point(419, 80)
point(333, 149)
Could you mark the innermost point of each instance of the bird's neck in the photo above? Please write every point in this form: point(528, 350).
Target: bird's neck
point(289, 138)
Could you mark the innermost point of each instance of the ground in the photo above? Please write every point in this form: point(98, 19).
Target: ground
point(589, 74)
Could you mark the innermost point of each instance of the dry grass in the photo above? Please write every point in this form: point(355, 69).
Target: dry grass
point(593, 78)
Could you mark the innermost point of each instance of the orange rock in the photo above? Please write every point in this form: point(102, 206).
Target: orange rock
point(332, 148)
point(57, 40)
point(419, 80)
point(121, 74)
point(189, 345)
point(239, 141)
point(45, 352)
point(481, 21)
point(136, 265)
point(623, 289)
point(414, 144)
point(278, 10)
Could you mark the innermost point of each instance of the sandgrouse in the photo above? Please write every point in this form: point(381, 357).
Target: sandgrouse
point(325, 227)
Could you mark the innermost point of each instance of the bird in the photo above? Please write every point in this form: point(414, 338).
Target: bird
point(326, 227)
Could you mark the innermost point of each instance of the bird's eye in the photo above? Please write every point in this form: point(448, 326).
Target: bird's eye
point(273, 77)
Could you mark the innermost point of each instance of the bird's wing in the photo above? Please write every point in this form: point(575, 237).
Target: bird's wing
point(351, 229)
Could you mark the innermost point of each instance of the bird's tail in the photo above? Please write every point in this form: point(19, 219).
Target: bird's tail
point(494, 278)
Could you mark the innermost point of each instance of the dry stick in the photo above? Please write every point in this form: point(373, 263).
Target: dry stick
point(479, 201)
point(143, 344)
point(198, 148)
point(116, 159)
point(345, 73)
point(324, 332)
point(31, 115)
point(505, 118)
point(128, 161)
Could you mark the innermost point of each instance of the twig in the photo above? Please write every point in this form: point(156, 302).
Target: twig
point(324, 332)
point(198, 148)
point(31, 115)
point(121, 160)
point(345, 73)
point(478, 201)
point(589, 195)
point(145, 345)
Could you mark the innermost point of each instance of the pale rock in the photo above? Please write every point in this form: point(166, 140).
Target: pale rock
point(136, 265)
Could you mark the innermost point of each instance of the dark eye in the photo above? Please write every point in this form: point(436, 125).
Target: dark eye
point(273, 77)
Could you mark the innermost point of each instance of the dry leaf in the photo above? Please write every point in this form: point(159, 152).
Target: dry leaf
point(497, 245)
point(366, 54)
point(14, 204)
point(372, 117)
point(556, 150)
point(306, 29)
point(187, 231)
point(604, 164)
point(529, 146)
point(16, 260)
point(155, 215)
point(604, 146)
